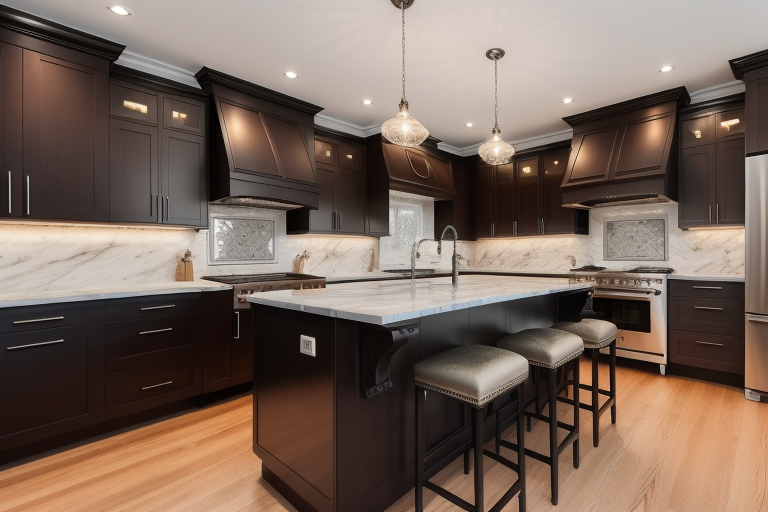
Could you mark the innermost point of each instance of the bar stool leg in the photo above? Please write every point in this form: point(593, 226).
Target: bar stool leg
point(595, 399)
point(576, 377)
point(553, 450)
point(613, 380)
point(477, 428)
point(520, 444)
point(420, 448)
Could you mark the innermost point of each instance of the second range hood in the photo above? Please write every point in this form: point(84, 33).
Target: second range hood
point(625, 153)
point(261, 145)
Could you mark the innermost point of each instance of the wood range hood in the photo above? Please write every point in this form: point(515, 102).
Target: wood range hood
point(625, 153)
point(261, 145)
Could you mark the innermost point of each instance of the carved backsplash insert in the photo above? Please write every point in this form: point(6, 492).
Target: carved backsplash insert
point(635, 239)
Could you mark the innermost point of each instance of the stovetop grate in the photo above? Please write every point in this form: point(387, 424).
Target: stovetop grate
point(260, 278)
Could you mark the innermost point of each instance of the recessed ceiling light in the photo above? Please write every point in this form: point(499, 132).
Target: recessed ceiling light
point(367, 102)
point(470, 125)
point(119, 9)
point(567, 100)
point(667, 68)
point(291, 74)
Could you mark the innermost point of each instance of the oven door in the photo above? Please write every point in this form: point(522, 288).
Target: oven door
point(639, 315)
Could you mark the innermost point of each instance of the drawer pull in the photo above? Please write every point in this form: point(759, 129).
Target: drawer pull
point(34, 320)
point(149, 308)
point(708, 343)
point(156, 331)
point(54, 342)
point(708, 308)
point(157, 385)
point(707, 287)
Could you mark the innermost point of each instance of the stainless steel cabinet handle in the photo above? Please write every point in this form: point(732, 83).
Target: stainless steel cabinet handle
point(148, 308)
point(338, 221)
point(758, 320)
point(707, 287)
point(493, 229)
point(54, 342)
point(10, 197)
point(156, 331)
point(710, 214)
point(708, 343)
point(237, 320)
point(514, 228)
point(542, 225)
point(717, 213)
point(157, 385)
point(707, 307)
point(167, 207)
point(27, 194)
point(35, 320)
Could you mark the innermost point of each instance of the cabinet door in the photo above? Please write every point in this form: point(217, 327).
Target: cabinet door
point(348, 201)
point(527, 197)
point(134, 175)
point(697, 186)
point(484, 202)
point(227, 342)
point(729, 204)
point(757, 116)
point(242, 347)
point(322, 218)
point(504, 218)
point(183, 189)
point(51, 382)
point(556, 218)
point(66, 139)
point(10, 131)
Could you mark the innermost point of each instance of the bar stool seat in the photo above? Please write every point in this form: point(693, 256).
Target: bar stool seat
point(550, 349)
point(596, 334)
point(474, 375)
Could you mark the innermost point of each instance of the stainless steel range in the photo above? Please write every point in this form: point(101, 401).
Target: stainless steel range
point(254, 283)
point(636, 301)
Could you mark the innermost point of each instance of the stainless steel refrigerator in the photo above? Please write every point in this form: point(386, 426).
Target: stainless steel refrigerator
point(756, 278)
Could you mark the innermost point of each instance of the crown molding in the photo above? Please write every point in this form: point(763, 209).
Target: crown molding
point(155, 67)
point(338, 125)
point(718, 91)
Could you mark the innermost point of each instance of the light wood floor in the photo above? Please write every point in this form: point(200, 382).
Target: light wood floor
point(678, 445)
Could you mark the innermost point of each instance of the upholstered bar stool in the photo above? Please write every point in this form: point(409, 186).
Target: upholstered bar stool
point(549, 349)
point(596, 334)
point(474, 375)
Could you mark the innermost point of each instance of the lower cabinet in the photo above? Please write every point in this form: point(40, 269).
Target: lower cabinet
point(706, 329)
point(51, 376)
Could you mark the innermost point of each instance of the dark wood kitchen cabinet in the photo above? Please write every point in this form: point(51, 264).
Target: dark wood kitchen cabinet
point(457, 211)
point(227, 342)
point(712, 162)
point(340, 174)
point(157, 151)
point(51, 370)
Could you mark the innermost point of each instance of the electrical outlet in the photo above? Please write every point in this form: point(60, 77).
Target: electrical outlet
point(307, 345)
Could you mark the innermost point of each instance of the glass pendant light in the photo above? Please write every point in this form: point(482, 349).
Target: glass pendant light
point(403, 129)
point(495, 151)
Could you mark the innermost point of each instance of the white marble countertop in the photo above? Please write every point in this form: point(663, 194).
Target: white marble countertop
point(38, 297)
point(710, 277)
point(385, 302)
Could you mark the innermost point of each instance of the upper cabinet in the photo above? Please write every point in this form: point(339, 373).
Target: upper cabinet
point(341, 176)
point(523, 197)
point(712, 164)
point(54, 122)
point(157, 151)
point(753, 69)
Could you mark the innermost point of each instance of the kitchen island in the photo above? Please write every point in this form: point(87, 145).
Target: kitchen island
point(333, 385)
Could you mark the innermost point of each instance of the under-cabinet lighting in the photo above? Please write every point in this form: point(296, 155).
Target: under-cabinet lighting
point(179, 115)
point(136, 107)
point(666, 69)
point(119, 9)
point(367, 102)
point(567, 100)
point(291, 74)
point(727, 124)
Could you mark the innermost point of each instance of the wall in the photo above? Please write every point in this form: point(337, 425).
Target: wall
point(707, 252)
point(70, 257)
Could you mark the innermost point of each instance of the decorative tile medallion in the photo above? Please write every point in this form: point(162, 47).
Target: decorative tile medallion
point(635, 239)
point(238, 240)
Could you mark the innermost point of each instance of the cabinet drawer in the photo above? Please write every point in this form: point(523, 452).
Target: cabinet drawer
point(137, 342)
point(710, 351)
point(188, 116)
point(706, 289)
point(30, 318)
point(152, 305)
point(720, 316)
point(132, 104)
point(350, 158)
point(137, 389)
point(697, 131)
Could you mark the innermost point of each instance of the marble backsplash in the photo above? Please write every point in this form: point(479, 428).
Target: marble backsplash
point(66, 257)
point(706, 252)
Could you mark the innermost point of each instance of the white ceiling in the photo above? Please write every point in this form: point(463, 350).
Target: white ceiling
point(598, 51)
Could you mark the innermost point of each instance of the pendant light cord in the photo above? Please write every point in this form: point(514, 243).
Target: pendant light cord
point(402, 10)
point(495, 91)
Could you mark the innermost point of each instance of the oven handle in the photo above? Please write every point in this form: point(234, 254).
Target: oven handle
point(613, 292)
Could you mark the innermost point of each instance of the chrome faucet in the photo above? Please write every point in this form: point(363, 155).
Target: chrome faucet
point(414, 255)
point(454, 257)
